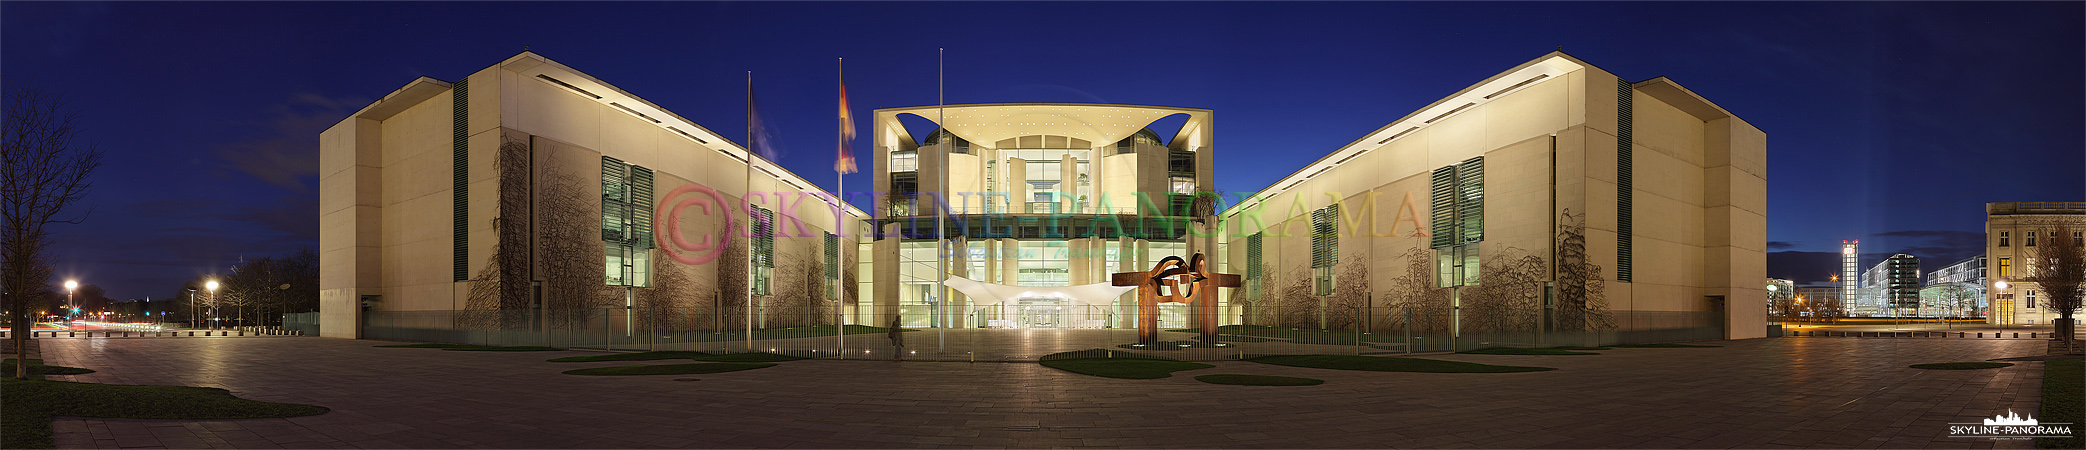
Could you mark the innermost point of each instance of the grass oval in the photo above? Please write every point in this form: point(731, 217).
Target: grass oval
point(1970, 365)
point(1135, 369)
point(1384, 364)
point(1534, 351)
point(670, 369)
point(1257, 380)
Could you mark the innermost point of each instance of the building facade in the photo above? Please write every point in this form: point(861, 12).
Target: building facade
point(1956, 290)
point(2014, 231)
point(526, 195)
point(1554, 197)
point(1033, 195)
point(1891, 287)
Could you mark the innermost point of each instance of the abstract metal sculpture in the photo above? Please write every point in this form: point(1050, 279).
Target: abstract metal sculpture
point(1174, 280)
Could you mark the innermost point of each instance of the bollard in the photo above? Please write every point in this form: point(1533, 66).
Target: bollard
point(2017, 335)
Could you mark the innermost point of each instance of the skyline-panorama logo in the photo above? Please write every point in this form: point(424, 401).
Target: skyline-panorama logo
point(2010, 426)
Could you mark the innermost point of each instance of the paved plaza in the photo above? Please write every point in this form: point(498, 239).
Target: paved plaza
point(1760, 393)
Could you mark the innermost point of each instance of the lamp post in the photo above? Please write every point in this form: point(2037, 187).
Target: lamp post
point(72, 309)
point(284, 302)
point(212, 286)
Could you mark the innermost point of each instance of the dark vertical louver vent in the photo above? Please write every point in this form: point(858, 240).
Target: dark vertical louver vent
point(615, 200)
point(1442, 209)
point(640, 207)
point(460, 237)
point(1624, 95)
point(1470, 201)
point(1253, 271)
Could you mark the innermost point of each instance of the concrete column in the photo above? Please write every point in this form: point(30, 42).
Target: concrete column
point(886, 285)
point(959, 305)
point(1010, 269)
point(1126, 261)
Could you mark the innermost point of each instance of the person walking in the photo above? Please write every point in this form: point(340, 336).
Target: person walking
point(897, 339)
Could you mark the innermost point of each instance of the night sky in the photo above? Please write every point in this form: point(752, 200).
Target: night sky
point(1892, 123)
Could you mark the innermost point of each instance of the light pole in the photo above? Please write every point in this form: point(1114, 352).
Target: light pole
point(212, 286)
point(2001, 285)
point(72, 309)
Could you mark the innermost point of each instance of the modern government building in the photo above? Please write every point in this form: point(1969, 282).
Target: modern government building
point(530, 202)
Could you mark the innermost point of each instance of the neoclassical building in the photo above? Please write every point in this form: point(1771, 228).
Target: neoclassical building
point(2014, 232)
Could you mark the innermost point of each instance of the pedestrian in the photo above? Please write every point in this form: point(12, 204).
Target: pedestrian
point(897, 339)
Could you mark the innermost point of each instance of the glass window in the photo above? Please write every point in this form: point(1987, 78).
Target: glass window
point(2031, 299)
point(906, 161)
point(2003, 238)
point(2031, 240)
point(1182, 185)
point(2006, 267)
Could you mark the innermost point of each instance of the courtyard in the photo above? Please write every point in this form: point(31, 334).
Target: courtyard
point(1759, 393)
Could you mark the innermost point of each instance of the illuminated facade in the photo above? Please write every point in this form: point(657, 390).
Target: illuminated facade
point(1891, 287)
point(1036, 195)
point(1957, 290)
point(2013, 233)
point(530, 186)
point(1850, 279)
point(1552, 197)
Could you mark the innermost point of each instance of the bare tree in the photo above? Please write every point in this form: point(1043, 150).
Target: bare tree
point(2059, 268)
point(42, 173)
point(1509, 297)
point(1582, 293)
point(1424, 307)
point(569, 249)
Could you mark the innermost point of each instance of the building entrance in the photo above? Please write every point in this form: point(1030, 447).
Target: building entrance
point(1040, 313)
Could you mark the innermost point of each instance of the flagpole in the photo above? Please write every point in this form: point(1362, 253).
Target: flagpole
point(941, 226)
point(747, 198)
point(839, 227)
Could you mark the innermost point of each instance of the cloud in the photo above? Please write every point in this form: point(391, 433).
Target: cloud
point(296, 216)
point(1934, 247)
point(286, 154)
point(1780, 245)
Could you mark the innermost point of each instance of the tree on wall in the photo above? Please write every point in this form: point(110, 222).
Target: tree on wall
point(1350, 295)
point(730, 302)
point(675, 301)
point(1295, 306)
point(1415, 296)
point(1582, 299)
point(569, 249)
point(499, 294)
point(2059, 267)
point(1510, 296)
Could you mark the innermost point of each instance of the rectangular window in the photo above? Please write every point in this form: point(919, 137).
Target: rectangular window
point(763, 250)
point(2031, 299)
point(626, 222)
point(1180, 163)
point(906, 161)
point(1325, 248)
point(1182, 185)
point(2004, 237)
point(2006, 267)
point(1253, 270)
point(2079, 238)
point(2031, 240)
point(1458, 221)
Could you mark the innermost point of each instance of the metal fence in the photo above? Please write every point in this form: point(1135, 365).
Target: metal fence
point(985, 334)
point(305, 322)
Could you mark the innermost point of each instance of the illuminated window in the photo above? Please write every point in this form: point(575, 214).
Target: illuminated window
point(906, 161)
point(1182, 185)
point(2006, 267)
point(763, 250)
point(2031, 299)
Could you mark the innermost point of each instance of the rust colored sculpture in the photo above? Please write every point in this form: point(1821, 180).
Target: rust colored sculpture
point(1173, 280)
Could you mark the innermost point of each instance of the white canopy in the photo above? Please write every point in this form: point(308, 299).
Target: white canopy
point(1086, 294)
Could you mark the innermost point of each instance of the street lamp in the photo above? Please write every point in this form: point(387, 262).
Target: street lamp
point(70, 285)
point(212, 286)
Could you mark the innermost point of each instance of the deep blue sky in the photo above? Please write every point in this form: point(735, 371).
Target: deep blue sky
point(1887, 122)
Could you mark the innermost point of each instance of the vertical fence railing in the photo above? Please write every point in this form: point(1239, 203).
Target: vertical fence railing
point(996, 333)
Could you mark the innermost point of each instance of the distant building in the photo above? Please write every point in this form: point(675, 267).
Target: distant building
point(1850, 276)
point(1956, 290)
point(1891, 287)
point(2012, 232)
